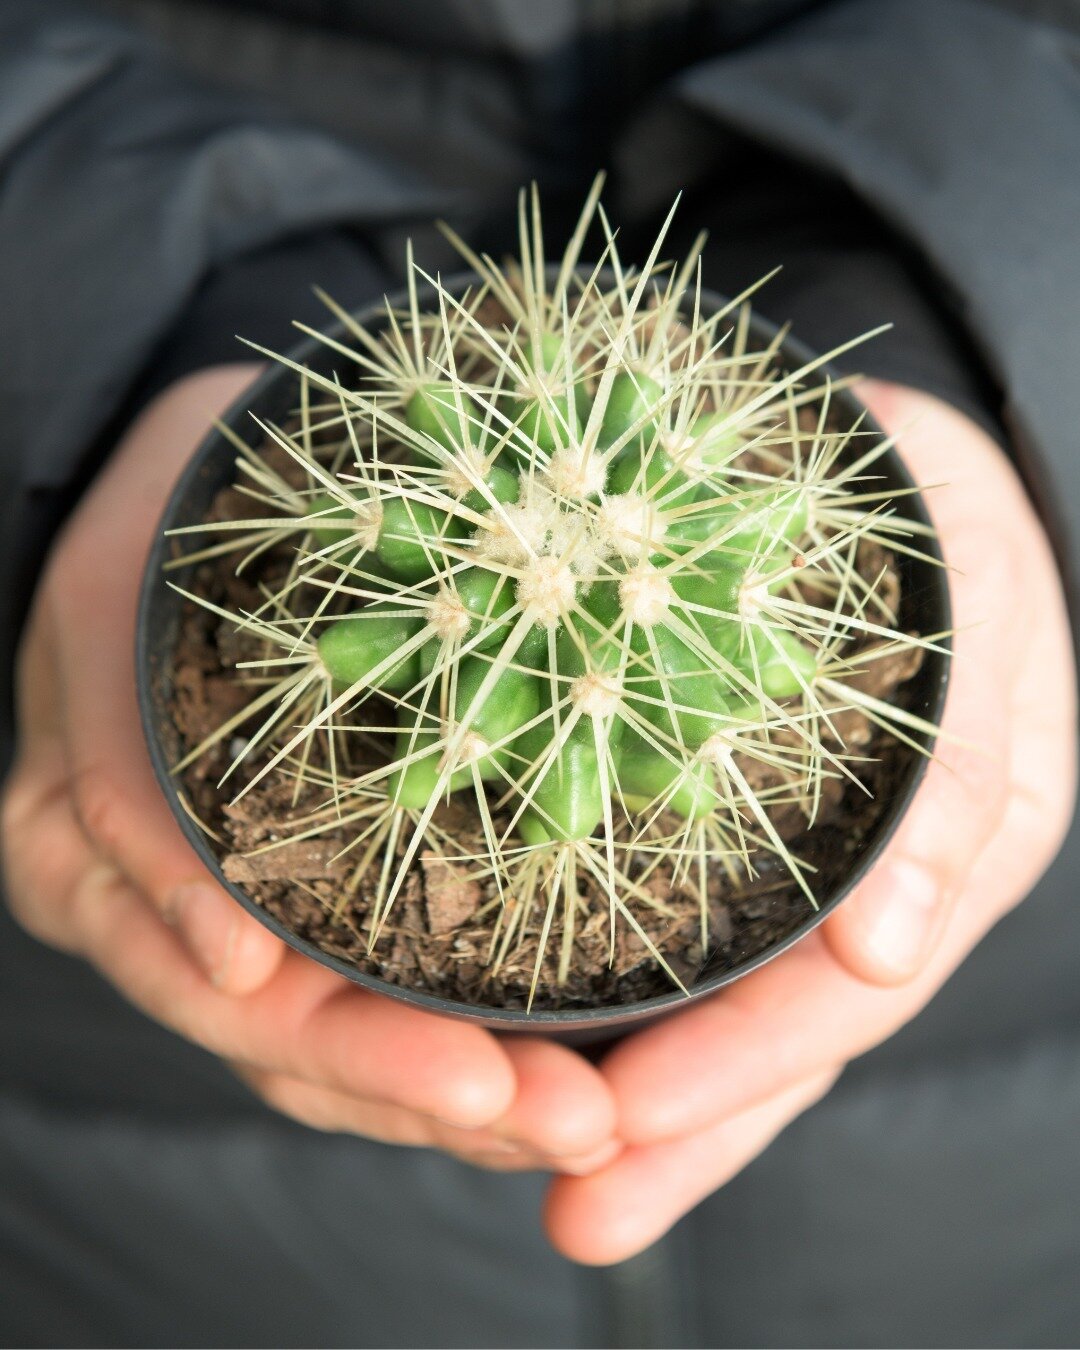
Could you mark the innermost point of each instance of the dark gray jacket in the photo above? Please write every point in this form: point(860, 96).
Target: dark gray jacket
point(162, 162)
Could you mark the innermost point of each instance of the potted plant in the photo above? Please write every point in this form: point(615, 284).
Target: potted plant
point(547, 645)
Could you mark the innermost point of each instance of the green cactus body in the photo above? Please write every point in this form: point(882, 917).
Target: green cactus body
point(445, 414)
point(647, 777)
point(485, 597)
point(715, 440)
point(756, 529)
point(415, 778)
point(594, 647)
point(498, 717)
point(412, 538)
point(502, 485)
point(777, 661)
point(713, 587)
point(547, 421)
point(567, 798)
point(484, 731)
point(352, 649)
point(678, 687)
point(336, 524)
point(653, 474)
point(633, 395)
point(687, 702)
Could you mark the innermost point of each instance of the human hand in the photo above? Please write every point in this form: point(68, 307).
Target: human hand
point(701, 1094)
point(97, 867)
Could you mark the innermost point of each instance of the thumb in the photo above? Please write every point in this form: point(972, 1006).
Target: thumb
point(887, 931)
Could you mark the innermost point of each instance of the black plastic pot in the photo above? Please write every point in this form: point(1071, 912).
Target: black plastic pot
point(925, 609)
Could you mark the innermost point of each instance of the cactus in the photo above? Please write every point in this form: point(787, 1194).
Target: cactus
point(567, 549)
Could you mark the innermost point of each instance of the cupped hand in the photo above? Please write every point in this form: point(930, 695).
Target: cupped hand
point(701, 1094)
point(96, 866)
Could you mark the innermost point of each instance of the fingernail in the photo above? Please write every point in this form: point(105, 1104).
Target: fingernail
point(208, 923)
point(583, 1165)
point(505, 1146)
point(558, 1154)
point(900, 914)
point(521, 1160)
point(490, 1146)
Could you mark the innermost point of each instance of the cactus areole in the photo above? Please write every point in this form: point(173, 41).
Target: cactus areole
point(578, 557)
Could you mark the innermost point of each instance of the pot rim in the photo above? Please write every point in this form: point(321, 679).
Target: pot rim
point(791, 351)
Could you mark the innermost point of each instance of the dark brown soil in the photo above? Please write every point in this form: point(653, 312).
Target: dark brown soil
point(441, 929)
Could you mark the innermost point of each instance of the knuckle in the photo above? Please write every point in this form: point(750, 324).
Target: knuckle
point(15, 806)
point(99, 807)
point(1060, 813)
point(32, 912)
point(70, 566)
point(23, 902)
point(969, 785)
point(984, 781)
point(27, 913)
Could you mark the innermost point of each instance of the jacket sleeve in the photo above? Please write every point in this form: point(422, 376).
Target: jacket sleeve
point(959, 125)
point(124, 185)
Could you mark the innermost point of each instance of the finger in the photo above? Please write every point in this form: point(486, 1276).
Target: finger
point(94, 584)
point(618, 1211)
point(780, 1025)
point(232, 949)
point(814, 1006)
point(1043, 778)
point(806, 1010)
point(337, 1112)
point(563, 1106)
point(1039, 769)
point(323, 1109)
point(509, 1157)
point(306, 1021)
point(44, 857)
point(886, 930)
